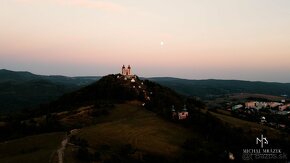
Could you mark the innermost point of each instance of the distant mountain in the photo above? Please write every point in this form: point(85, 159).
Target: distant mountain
point(211, 88)
point(20, 90)
point(22, 76)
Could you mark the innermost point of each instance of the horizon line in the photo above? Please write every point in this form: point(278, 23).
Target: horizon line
point(172, 77)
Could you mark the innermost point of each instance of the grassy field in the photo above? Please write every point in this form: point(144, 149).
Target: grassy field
point(132, 124)
point(32, 149)
point(255, 127)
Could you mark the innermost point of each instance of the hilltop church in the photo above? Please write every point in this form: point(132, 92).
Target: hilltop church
point(126, 71)
point(127, 74)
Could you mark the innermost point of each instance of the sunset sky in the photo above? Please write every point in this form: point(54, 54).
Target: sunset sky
point(194, 39)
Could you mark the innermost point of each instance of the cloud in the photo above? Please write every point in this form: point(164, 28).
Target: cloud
point(90, 4)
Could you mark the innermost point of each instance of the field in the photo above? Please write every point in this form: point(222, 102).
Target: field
point(259, 96)
point(32, 149)
point(131, 124)
point(252, 127)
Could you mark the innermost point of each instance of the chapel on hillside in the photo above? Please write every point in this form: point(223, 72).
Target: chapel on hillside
point(180, 115)
point(126, 71)
point(127, 74)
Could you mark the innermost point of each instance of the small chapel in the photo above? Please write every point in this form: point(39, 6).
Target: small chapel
point(126, 71)
point(180, 115)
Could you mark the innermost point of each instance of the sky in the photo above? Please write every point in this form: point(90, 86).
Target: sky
point(193, 39)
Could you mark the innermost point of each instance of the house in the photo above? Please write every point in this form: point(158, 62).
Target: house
point(260, 105)
point(251, 104)
point(237, 107)
point(284, 107)
point(263, 119)
point(256, 105)
point(183, 114)
point(174, 113)
point(274, 104)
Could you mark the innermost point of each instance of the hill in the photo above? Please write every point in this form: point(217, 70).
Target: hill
point(19, 90)
point(24, 76)
point(7, 75)
point(125, 119)
point(114, 89)
point(101, 95)
point(212, 88)
point(130, 133)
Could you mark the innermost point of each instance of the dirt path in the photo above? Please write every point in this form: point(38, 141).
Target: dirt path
point(60, 151)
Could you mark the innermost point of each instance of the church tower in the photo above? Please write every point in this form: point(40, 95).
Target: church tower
point(123, 70)
point(129, 70)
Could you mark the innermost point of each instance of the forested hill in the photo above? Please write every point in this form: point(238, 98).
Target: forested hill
point(19, 90)
point(114, 89)
point(210, 88)
point(24, 76)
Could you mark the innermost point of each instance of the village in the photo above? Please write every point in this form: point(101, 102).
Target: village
point(273, 114)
